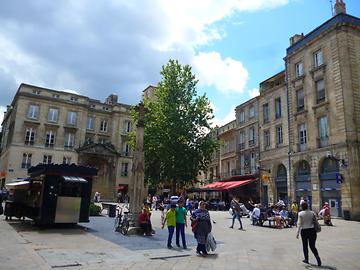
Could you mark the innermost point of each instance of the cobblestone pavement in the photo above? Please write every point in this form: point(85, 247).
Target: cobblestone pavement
point(95, 245)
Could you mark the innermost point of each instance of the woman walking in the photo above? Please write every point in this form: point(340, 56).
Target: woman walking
point(308, 234)
point(201, 227)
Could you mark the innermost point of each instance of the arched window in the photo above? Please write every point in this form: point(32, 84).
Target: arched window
point(303, 168)
point(329, 165)
point(281, 172)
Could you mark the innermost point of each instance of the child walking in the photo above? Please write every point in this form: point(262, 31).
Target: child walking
point(170, 220)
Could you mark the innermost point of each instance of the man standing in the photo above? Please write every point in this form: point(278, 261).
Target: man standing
point(235, 206)
point(181, 223)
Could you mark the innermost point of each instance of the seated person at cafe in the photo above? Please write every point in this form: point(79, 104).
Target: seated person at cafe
point(277, 217)
point(285, 217)
point(144, 222)
point(255, 215)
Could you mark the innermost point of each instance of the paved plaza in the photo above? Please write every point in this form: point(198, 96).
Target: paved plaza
point(95, 245)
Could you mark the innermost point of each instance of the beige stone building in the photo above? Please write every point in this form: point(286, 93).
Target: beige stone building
point(247, 132)
point(227, 156)
point(323, 79)
point(48, 126)
point(273, 139)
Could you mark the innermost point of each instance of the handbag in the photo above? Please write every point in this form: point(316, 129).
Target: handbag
point(316, 224)
point(210, 242)
point(194, 225)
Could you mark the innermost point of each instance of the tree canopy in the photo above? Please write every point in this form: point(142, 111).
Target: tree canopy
point(177, 139)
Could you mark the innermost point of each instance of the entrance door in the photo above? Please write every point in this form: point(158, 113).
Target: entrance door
point(334, 207)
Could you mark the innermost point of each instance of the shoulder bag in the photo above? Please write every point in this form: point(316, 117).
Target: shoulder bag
point(316, 224)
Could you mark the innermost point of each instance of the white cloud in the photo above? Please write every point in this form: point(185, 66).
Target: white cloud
point(253, 92)
point(227, 119)
point(227, 75)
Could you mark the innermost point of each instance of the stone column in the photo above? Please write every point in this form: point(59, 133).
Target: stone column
point(137, 188)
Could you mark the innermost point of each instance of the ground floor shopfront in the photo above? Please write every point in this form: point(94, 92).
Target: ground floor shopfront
point(330, 175)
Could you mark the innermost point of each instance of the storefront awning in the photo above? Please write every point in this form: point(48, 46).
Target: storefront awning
point(74, 179)
point(227, 185)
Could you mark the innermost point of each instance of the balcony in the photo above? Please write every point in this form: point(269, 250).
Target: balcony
point(241, 146)
point(49, 145)
point(323, 141)
point(302, 147)
point(25, 165)
point(251, 142)
point(68, 147)
point(29, 142)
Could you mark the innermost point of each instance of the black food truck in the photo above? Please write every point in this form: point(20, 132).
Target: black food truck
point(52, 194)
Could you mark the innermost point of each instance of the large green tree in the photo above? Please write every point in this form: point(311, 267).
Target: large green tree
point(177, 139)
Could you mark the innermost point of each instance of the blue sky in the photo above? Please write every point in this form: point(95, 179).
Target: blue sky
point(96, 48)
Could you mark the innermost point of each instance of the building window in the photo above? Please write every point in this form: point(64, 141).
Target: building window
point(318, 58)
point(67, 160)
point(279, 136)
point(90, 123)
point(47, 159)
point(251, 136)
point(242, 117)
point(74, 99)
point(53, 115)
point(320, 91)
point(103, 140)
point(69, 140)
point(323, 131)
point(127, 126)
point(124, 169)
point(299, 69)
point(56, 96)
point(300, 100)
point(71, 118)
point(277, 108)
point(92, 106)
point(302, 137)
point(252, 112)
point(50, 139)
point(241, 140)
point(26, 161)
point(103, 126)
point(29, 136)
point(126, 150)
point(266, 112)
point(33, 111)
point(105, 108)
point(89, 139)
point(267, 138)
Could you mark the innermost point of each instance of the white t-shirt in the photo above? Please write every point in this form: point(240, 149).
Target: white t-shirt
point(256, 212)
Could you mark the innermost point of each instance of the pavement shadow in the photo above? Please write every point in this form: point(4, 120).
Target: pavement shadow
point(326, 267)
point(29, 225)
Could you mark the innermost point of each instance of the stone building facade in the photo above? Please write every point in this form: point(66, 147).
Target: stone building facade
point(48, 126)
point(247, 131)
point(273, 139)
point(323, 84)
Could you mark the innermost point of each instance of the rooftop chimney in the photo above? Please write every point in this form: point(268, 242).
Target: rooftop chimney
point(296, 38)
point(112, 99)
point(340, 7)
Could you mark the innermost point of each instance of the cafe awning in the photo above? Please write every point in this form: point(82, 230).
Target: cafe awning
point(227, 185)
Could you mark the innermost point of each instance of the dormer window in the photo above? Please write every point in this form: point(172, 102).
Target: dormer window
point(105, 108)
point(56, 96)
point(74, 99)
point(36, 92)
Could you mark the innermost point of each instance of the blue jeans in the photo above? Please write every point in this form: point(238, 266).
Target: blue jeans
point(180, 228)
point(236, 216)
point(171, 233)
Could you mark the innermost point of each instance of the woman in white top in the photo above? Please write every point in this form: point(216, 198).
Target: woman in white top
point(308, 233)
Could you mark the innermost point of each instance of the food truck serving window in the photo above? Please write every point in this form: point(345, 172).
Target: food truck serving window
point(71, 186)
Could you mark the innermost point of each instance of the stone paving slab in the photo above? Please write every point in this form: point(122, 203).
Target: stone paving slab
point(94, 245)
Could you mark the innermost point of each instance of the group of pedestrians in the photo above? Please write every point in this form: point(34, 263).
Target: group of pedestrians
point(176, 221)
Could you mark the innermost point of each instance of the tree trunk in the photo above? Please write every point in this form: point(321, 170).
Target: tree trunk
point(173, 186)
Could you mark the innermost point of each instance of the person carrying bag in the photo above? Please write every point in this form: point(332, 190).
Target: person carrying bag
point(308, 226)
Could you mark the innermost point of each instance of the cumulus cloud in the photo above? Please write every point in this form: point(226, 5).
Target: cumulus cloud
point(225, 74)
point(99, 47)
point(230, 116)
point(253, 92)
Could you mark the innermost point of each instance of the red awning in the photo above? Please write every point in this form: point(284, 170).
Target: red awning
point(227, 185)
